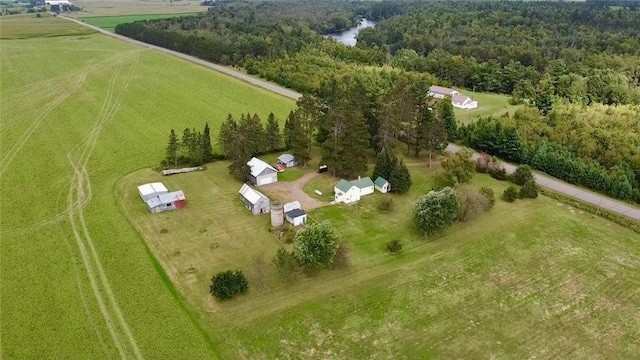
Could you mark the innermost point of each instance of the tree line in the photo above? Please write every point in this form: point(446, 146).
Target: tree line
point(193, 149)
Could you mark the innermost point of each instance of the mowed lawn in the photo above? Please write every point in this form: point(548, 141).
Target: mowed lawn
point(488, 105)
point(78, 113)
point(110, 22)
point(535, 278)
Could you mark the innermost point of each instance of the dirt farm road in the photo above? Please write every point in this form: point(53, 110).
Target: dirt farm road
point(292, 191)
point(542, 180)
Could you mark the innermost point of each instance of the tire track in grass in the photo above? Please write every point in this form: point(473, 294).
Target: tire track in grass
point(78, 199)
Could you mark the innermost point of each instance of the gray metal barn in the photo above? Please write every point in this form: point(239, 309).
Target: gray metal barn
point(254, 200)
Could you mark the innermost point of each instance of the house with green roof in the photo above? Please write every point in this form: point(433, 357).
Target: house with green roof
point(382, 185)
point(351, 191)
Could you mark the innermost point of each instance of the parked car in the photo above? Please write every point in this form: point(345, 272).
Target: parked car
point(322, 168)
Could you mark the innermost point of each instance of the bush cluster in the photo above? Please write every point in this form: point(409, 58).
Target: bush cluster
point(228, 284)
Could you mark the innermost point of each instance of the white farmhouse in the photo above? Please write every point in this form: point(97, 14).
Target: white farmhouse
point(351, 191)
point(457, 99)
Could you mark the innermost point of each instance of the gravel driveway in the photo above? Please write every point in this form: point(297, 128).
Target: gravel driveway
point(292, 191)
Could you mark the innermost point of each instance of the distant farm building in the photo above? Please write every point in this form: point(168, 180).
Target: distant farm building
point(151, 190)
point(457, 100)
point(261, 172)
point(169, 201)
point(382, 185)
point(351, 191)
point(294, 213)
point(287, 160)
point(254, 200)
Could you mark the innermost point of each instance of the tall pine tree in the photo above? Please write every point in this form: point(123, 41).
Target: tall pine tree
point(305, 120)
point(384, 165)
point(239, 156)
point(400, 178)
point(445, 111)
point(172, 149)
point(433, 132)
point(207, 150)
point(253, 131)
point(400, 108)
point(272, 134)
point(227, 136)
point(289, 126)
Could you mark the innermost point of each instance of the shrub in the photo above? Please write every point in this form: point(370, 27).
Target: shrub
point(394, 246)
point(496, 170)
point(470, 203)
point(487, 192)
point(343, 256)
point(228, 284)
point(459, 168)
point(522, 174)
point(386, 204)
point(482, 163)
point(510, 194)
point(285, 264)
point(436, 211)
point(529, 190)
point(316, 246)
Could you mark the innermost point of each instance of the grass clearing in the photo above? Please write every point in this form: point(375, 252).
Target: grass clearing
point(92, 8)
point(25, 26)
point(110, 22)
point(515, 282)
point(488, 105)
point(78, 113)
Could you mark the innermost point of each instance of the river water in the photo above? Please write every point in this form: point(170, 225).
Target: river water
point(349, 36)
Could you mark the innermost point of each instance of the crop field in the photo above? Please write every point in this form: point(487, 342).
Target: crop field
point(110, 22)
point(488, 105)
point(78, 113)
point(26, 26)
point(135, 7)
point(536, 278)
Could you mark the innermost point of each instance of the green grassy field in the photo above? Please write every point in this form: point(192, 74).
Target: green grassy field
point(78, 113)
point(26, 26)
point(135, 7)
point(110, 22)
point(488, 105)
point(535, 278)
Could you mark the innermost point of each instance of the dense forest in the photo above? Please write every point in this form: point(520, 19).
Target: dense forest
point(574, 66)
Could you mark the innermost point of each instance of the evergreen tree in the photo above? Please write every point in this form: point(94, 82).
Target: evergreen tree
point(195, 148)
point(400, 109)
point(400, 178)
point(172, 149)
point(305, 120)
point(384, 166)
point(239, 156)
point(207, 150)
point(227, 136)
point(253, 131)
point(272, 134)
point(445, 110)
point(187, 139)
point(433, 132)
point(289, 126)
point(544, 95)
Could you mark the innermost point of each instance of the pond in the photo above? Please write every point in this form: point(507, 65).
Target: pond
point(349, 36)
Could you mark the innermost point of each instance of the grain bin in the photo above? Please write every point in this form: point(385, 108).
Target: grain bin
point(277, 214)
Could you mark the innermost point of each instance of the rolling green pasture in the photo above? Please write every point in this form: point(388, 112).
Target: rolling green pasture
point(488, 105)
point(78, 113)
point(26, 26)
point(135, 7)
point(110, 22)
point(536, 278)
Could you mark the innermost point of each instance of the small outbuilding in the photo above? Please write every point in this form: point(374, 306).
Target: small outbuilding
point(294, 213)
point(254, 200)
point(261, 172)
point(287, 160)
point(382, 185)
point(151, 190)
point(169, 201)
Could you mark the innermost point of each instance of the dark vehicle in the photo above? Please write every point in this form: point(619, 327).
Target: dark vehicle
point(322, 168)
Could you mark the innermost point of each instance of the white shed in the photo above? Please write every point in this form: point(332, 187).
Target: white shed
point(169, 201)
point(254, 200)
point(294, 214)
point(287, 160)
point(463, 102)
point(382, 185)
point(151, 190)
point(261, 172)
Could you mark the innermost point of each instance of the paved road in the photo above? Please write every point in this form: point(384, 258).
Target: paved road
point(570, 190)
point(542, 180)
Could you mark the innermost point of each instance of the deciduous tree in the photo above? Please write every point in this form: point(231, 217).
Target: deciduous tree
point(316, 246)
point(436, 211)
